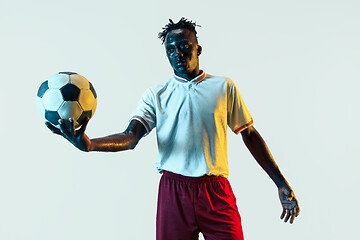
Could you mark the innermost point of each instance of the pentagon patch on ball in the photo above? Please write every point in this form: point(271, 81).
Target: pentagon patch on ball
point(66, 95)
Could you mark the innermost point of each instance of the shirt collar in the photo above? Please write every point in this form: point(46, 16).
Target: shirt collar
point(198, 78)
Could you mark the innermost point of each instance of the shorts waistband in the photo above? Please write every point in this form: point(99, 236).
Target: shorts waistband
point(202, 179)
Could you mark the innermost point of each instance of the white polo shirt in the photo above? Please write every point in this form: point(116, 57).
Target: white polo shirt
point(191, 119)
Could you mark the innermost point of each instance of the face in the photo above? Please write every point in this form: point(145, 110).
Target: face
point(183, 53)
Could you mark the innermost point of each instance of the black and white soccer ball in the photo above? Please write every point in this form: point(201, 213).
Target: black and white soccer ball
point(66, 95)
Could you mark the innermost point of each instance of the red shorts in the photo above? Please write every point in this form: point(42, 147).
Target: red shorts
point(189, 205)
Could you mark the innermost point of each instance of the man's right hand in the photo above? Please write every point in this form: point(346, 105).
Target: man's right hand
point(77, 137)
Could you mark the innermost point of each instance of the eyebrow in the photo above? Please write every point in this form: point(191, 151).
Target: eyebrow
point(181, 41)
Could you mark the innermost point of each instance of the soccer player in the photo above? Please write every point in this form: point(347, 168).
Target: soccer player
point(191, 112)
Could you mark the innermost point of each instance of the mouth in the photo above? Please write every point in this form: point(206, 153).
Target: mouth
point(180, 63)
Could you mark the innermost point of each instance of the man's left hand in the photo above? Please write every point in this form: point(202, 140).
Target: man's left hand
point(289, 203)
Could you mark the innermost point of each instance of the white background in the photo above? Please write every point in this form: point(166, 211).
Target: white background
point(296, 64)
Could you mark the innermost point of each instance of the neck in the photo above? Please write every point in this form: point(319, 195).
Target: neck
point(189, 76)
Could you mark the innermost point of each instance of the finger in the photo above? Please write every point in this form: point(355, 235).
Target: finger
point(283, 214)
point(71, 126)
point(287, 215)
point(297, 211)
point(63, 127)
point(293, 216)
point(53, 128)
point(84, 124)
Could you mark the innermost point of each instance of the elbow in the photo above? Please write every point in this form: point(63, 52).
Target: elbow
point(132, 145)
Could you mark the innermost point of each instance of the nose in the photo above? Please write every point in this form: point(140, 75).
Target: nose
point(178, 52)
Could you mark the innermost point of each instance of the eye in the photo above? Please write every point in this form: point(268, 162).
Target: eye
point(185, 46)
point(170, 50)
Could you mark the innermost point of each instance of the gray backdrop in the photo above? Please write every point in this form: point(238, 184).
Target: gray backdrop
point(296, 64)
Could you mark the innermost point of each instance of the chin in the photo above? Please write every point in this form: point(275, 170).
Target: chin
point(181, 70)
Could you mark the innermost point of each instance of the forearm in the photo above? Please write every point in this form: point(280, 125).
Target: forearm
point(262, 155)
point(114, 143)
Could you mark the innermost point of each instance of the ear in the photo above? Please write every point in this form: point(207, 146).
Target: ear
point(199, 50)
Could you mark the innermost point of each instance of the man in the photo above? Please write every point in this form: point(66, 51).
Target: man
point(191, 112)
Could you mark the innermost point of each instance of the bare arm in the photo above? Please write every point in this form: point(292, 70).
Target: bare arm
point(113, 143)
point(120, 141)
point(262, 155)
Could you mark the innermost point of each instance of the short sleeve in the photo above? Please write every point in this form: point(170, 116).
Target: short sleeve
point(238, 116)
point(146, 111)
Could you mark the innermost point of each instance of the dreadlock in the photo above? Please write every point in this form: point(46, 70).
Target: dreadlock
point(182, 23)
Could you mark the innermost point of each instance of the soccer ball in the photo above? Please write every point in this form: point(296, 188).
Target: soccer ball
point(66, 95)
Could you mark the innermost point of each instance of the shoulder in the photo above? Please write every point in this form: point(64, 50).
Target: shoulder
point(220, 80)
point(160, 86)
point(214, 78)
point(155, 89)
